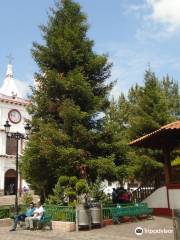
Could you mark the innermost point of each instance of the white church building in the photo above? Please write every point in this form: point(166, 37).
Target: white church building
point(13, 109)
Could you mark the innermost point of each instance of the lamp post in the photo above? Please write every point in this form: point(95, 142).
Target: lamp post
point(17, 136)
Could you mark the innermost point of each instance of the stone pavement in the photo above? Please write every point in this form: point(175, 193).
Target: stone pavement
point(123, 231)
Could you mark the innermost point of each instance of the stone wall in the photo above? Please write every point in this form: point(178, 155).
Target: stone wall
point(63, 226)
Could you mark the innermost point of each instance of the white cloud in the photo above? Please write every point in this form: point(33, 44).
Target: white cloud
point(136, 8)
point(129, 65)
point(158, 19)
point(166, 12)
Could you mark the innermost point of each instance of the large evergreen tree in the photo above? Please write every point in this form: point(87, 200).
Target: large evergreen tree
point(150, 107)
point(115, 127)
point(145, 109)
point(71, 92)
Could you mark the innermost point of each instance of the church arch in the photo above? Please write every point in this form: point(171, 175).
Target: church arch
point(10, 182)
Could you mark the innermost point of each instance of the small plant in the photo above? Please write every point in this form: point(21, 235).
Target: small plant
point(27, 198)
point(97, 192)
point(4, 213)
point(67, 190)
point(81, 187)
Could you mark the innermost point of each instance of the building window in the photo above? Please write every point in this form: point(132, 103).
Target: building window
point(10, 146)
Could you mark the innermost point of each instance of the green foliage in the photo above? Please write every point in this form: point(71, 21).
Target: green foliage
point(176, 162)
point(61, 213)
point(81, 187)
point(145, 109)
point(151, 107)
point(150, 110)
point(97, 192)
point(66, 191)
point(103, 167)
point(4, 213)
point(73, 180)
point(72, 91)
point(144, 167)
point(63, 181)
point(27, 199)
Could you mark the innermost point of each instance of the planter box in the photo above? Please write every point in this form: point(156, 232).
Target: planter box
point(125, 219)
point(107, 222)
point(63, 226)
point(5, 222)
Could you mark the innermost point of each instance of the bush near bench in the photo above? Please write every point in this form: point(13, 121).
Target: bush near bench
point(4, 213)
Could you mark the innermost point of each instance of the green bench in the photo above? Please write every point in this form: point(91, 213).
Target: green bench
point(46, 220)
point(134, 211)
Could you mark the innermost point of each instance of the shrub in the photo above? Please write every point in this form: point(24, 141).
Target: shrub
point(27, 199)
point(81, 187)
point(72, 181)
point(63, 180)
point(4, 213)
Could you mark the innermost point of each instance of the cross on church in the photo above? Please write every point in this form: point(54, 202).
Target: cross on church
point(10, 58)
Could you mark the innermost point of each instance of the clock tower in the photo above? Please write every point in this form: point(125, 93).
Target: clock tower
point(12, 108)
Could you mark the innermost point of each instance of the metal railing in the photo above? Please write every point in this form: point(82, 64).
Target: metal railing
point(61, 213)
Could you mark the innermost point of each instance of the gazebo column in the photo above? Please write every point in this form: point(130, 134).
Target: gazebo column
point(167, 165)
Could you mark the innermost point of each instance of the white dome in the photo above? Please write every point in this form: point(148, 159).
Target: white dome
point(9, 87)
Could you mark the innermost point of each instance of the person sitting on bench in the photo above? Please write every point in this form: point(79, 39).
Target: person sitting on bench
point(21, 217)
point(37, 214)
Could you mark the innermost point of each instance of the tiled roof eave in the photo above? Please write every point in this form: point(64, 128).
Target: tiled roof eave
point(16, 102)
point(164, 129)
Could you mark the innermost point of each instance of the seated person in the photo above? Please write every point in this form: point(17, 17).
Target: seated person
point(37, 214)
point(22, 216)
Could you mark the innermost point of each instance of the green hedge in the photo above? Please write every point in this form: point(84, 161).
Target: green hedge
point(4, 213)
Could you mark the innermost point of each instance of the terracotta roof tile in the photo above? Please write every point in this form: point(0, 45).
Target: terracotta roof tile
point(150, 139)
point(174, 125)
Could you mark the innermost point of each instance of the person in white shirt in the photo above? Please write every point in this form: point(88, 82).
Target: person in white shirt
point(37, 214)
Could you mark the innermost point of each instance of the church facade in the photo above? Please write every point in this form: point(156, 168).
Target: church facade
point(12, 108)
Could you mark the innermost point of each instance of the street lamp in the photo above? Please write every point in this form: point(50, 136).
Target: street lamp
point(17, 136)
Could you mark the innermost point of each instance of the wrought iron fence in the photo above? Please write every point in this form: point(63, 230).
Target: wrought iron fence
point(61, 213)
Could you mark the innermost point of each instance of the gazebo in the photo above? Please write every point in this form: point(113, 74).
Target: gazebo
point(167, 138)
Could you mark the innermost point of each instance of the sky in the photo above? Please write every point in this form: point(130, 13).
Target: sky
point(133, 33)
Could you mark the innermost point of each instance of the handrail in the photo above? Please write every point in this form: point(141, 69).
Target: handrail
point(143, 191)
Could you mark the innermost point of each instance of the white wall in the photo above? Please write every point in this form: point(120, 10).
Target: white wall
point(4, 110)
point(8, 162)
point(158, 199)
point(174, 198)
point(108, 187)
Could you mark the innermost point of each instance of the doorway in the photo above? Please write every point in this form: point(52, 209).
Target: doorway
point(10, 182)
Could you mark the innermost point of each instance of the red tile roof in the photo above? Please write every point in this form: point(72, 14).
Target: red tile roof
point(167, 135)
point(174, 125)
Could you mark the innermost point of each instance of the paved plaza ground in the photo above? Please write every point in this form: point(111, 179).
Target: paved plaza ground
point(123, 231)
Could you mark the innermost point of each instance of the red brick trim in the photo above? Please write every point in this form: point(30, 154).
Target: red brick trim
point(163, 212)
point(173, 186)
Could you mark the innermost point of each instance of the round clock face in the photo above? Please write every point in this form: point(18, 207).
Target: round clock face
point(14, 116)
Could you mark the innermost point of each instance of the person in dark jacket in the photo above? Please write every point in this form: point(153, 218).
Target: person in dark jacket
point(114, 196)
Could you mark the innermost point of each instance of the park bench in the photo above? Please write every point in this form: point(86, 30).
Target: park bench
point(133, 211)
point(46, 220)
